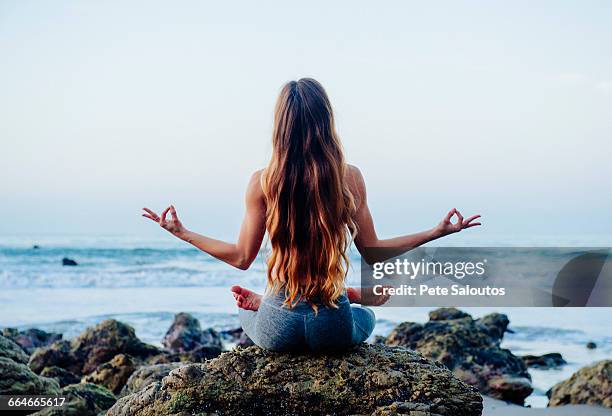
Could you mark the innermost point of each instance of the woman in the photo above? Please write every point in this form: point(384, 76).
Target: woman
point(313, 205)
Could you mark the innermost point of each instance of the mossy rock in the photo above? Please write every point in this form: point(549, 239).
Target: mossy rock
point(31, 338)
point(147, 375)
point(471, 349)
point(82, 400)
point(589, 385)
point(253, 381)
point(113, 374)
point(63, 377)
point(11, 350)
point(17, 378)
point(95, 346)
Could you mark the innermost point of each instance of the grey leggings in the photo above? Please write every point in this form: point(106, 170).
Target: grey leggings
point(278, 328)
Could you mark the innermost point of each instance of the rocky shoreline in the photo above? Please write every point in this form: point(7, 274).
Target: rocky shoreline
point(440, 368)
point(470, 348)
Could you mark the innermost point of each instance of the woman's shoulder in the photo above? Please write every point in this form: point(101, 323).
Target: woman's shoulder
point(353, 171)
point(356, 184)
point(257, 175)
point(354, 178)
point(255, 187)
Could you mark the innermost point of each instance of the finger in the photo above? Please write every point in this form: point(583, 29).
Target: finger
point(449, 215)
point(473, 225)
point(150, 212)
point(173, 213)
point(163, 216)
point(469, 220)
point(153, 215)
point(150, 217)
point(459, 217)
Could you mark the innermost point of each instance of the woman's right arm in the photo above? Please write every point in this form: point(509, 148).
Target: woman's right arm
point(374, 249)
point(239, 254)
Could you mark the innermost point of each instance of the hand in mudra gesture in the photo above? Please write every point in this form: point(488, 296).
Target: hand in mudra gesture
point(446, 226)
point(172, 224)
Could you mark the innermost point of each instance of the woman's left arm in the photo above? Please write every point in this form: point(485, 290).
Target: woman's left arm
point(240, 254)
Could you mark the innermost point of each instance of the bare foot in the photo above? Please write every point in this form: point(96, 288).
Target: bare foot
point(246, 299)
point(353, 294)
point(365, 296)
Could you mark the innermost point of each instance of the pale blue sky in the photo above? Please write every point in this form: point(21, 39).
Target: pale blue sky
point(502, 108)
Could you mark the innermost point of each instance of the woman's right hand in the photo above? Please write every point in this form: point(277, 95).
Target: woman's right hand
point(173, 225)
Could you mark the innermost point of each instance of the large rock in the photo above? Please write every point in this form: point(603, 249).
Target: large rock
point(93, 347)
point(495, 324)
point(101, 343)
point(544, 361)
point(147, 375)
point(470, 348)
point(253, 381)
point(82, 400)
point(185, 334)
point(32, 338)
point(11, 350)
point(589, 385)
point(113, 374)
point(444, 314)
point(17, 378)
point(63, 376)
point(58, 354)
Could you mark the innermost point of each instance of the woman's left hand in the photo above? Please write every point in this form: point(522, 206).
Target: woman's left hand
point(446, 226)
point(173, 225)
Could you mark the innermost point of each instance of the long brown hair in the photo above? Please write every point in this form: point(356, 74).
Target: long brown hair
point(309, 206)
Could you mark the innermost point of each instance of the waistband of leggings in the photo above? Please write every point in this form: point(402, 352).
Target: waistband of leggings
point(279, 299)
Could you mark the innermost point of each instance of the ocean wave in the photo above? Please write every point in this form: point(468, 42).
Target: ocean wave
point(122, 267)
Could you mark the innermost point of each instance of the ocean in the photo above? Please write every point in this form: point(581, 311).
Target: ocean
point(145, 282)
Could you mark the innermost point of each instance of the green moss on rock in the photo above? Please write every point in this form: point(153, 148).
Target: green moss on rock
point(17, 378)
point(589, 385)
point(95, 346)
point(82, 400)
point(471, 349)
point(11, 350)
point(113, 374)
point(253, 381)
